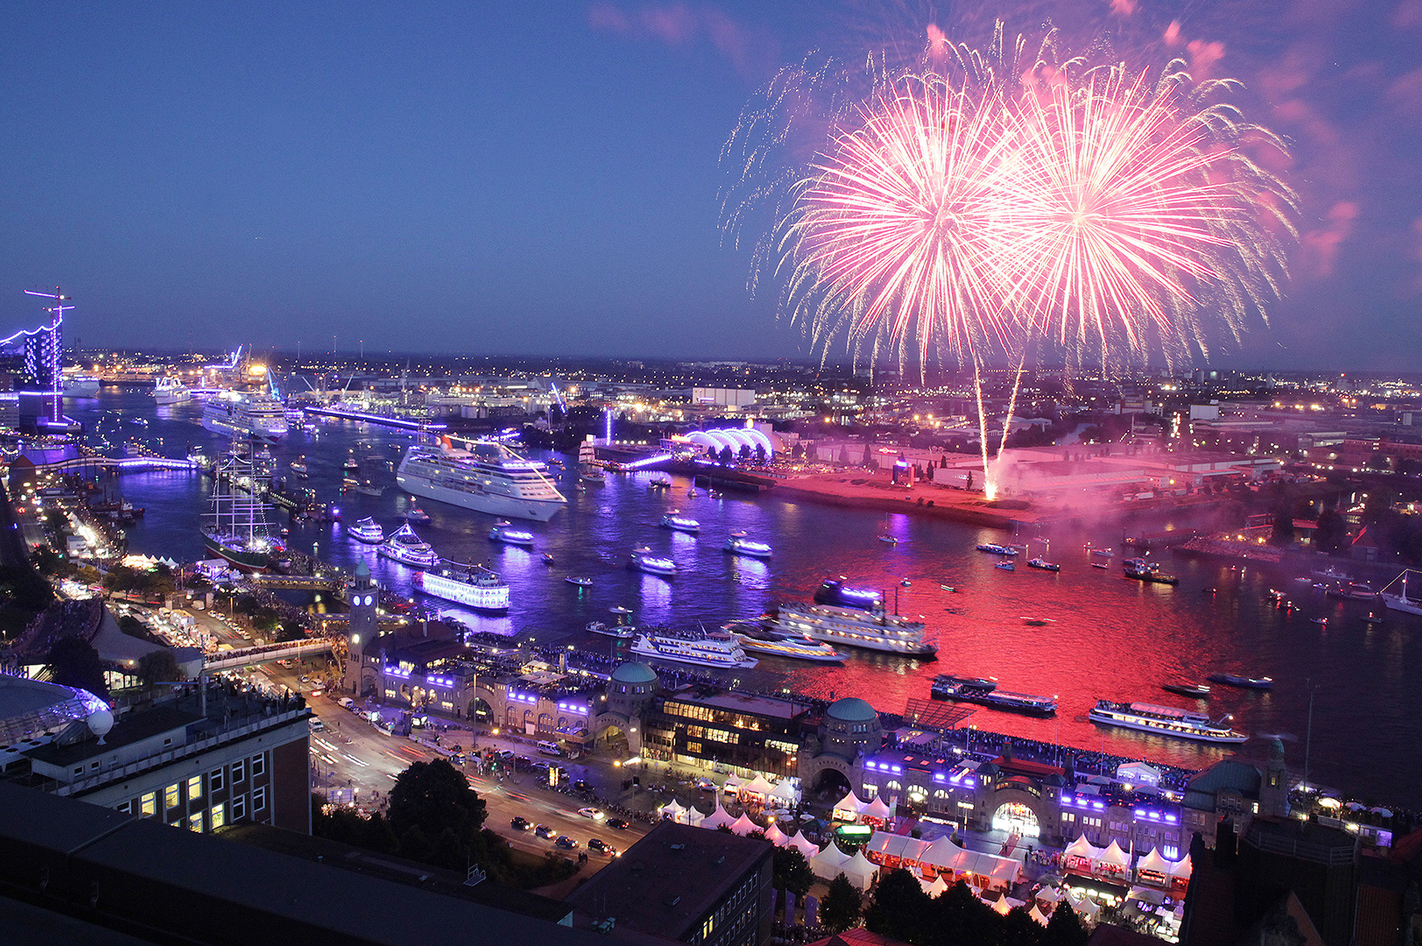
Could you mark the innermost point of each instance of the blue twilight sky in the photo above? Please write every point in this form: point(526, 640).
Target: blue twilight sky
point(514, 178)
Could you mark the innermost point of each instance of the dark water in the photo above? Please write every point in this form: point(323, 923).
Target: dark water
point(1107, 637)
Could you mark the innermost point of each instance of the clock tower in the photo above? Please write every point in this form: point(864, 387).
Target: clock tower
point(363, 595)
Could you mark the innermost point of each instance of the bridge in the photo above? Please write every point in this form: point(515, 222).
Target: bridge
point(266, 653)
point(120, 464)
point(332, 583)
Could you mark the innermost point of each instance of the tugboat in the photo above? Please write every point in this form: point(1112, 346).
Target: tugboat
point(1043, 564)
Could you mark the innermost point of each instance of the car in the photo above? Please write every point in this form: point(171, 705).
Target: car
point(705, 785)
point(596, 814)
point(543, 831)
point(598, 844)
point(520, 823)
point(618, 824)
point(317, 725)
point(565, 842)
point(504, 755)
point(316, 692)
point(582, 786)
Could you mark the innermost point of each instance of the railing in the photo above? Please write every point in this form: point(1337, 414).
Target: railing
point(222, 735)
point(265, 653)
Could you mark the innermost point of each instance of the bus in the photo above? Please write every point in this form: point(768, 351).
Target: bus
point(549, 748)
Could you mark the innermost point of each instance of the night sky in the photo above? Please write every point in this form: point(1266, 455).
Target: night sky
point(543, 179)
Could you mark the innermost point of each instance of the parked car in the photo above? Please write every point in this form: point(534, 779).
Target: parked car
point(598, 844)
point(317, 725)
point(618, 823)
point(520, 823)
point(543, 831)
point(565, 842)
point(582, 786)
point(596, 814)
point(705, 785)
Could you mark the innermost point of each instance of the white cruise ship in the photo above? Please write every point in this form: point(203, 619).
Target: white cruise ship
point(873, 630)
point(473, 586)
point(486, 477)
point(245, 415)
point(169, 391)
point(692, 648)
point(1166, 720)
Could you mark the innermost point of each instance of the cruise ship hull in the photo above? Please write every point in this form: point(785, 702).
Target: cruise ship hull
point(233, 428)
point(508, 507)
point(242, 559)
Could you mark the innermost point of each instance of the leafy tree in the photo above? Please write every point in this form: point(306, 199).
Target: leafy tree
point(430, 799)
point(157, 666)
point(725, 456)
point(1019, 929)
point(744, 453)
point(868, 456)
point(839, 910)
point(957, 917)
point(792, 872)
point(73, 662)
point(1331, 536)
point(844, 456)
point(760, 453)
point(899, 907)
point(1283, 533)
point(1064, 928)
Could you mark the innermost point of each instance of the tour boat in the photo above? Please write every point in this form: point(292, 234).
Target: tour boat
point(992, 548)
point(753, 636)
point(837, 592)
point(1143, 569)
point(170, 391)
point(943, 689)
point(1005, 566)
point(660, 483)
point(692, 647)
point(351, 464)
point(298, 466)
point(620, 631)
point(872, 630)
point(679, 523)
point(368, 530)
point(504, 531)
point(579, 580)
point(738, 544)
point(416, 514)
point(1196, 690)
point(1165, 720)
point(473, 586)
point(645, 560)
point(407, 548)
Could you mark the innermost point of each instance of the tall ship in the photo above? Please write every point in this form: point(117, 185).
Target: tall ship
point(486, 477)
point(587, 463)
point(1397, 599)
point(243, 414)
point(170, 391)
point(873, 630)
point(473, 586)
point(236, 528)
point(692, 647)
point(407, 548)
point(1165, 720)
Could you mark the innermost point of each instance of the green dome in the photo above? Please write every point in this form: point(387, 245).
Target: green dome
point(634, 674)
point(851, 709)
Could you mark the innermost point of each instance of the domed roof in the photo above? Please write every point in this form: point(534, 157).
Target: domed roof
point(634, 674)
point(851, 709)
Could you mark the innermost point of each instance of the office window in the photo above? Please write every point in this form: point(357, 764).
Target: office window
point(259, 799)
point(237, 773)
point(195, 788)
point(148, 805)
point(195, 822)
point(239, 808)
point(259, 765)
point(218, 817)
point(214, 781)
point(171, 796)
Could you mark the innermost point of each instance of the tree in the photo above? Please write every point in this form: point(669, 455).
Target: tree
point(839, 910)
point(868, 457)
point(899, 909)
point(792, 872)
point(744, 453)
point(1064, 928)
point(725, 456)
point(1331, 536)
point(73, 662)
point(1283, 527)
point(430, 798)
point(157, 666)
point(760, 453)
point(844, 456)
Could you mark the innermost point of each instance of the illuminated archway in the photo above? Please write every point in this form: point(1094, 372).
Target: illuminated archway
point(1016, 818)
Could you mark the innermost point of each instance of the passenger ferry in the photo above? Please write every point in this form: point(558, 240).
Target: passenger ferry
point(504, 531)
point(623, 632)
point(1166, 720)
point(473, 586)
point(170, 391)
point(368, 530)
point(1043, 564)
point(946, 688)
point(680, 523)
point(692, 647)
point(753, 636)
point(837, 592)
point(993, 548)
point(872, 630)
point(405, 547)
point(486, 477)
point(245, 415)
point(645, 560)
point(738, 544)
point(1143, 569)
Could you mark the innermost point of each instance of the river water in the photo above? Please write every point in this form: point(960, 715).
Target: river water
point(1106, 636)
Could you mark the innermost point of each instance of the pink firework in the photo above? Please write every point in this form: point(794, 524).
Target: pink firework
point(897, 238)
point(1142, 218)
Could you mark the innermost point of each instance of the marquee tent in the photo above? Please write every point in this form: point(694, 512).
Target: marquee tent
point(804, 845)
point(1113, 860)
point(848, 808)
point(785, 792)
point(877, 810)
point(744, 826)
point(775, 836)
point(758, 787)
point(826, 864)
point(860, 871)
point(718, 818)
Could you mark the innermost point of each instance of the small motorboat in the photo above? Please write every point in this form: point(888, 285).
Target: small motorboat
point(1199, 691)
point(416, 514)
point(579, 580)
point(948, 588)
point(1322, 622)
point(547, 559)
point(1043, 565)
point(889, 539)
point(1372, 619)
point(1005, 566)
point(1236, 680)
point(906, 583)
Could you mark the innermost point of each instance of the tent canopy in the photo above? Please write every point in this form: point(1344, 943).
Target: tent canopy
point(1181, 868)
point(744, 826)
point(804, 845)
point(1154, 862)
point(850, 802)
point(1083, 848)
point(775, 836)
point(877, 809)
point(718, 818)
point(758, 786)
point(1114, 856)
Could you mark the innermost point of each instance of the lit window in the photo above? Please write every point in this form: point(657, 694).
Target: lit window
point(195, 822)
point(171, 796)
point(218, 817)
point(195, 788)
point(148, 805)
